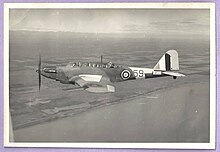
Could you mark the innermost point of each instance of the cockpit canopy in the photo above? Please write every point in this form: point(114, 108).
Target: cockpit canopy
point(90, 64)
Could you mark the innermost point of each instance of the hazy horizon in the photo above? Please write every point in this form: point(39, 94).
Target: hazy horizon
point(182, 22)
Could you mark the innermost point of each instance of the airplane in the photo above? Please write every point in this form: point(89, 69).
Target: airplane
point(100, 77)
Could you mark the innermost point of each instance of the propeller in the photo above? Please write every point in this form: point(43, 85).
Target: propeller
point(101, 59)
point(39, 72)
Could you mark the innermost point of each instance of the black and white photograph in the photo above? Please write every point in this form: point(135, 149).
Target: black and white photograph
point(110, 75)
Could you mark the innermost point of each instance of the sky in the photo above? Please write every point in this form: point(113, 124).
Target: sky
point(149, 21)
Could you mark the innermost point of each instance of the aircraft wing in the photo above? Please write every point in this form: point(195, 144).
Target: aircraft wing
point(173, 74)
point(93, 83)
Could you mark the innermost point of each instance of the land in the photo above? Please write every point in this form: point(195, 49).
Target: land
point(155, 117)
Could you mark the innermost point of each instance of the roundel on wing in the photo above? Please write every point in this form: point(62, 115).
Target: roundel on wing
point(125, 74)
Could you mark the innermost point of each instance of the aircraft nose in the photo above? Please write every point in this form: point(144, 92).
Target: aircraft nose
point(40, 71)
point(48, 71)
point(37, 70)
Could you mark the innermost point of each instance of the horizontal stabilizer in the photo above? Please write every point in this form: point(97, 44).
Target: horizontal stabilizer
point(173, 74)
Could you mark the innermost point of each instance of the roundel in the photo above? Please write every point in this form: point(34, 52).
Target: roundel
point(125, 74)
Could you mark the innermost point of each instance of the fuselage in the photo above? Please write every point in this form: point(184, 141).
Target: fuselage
point(99, 77)
point(116, 73)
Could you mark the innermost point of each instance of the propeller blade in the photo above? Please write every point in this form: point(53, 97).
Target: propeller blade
point(39, 80)
point(39, 72)
point(39, 64)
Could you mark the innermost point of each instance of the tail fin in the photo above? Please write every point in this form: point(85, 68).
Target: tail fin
point(168, 62)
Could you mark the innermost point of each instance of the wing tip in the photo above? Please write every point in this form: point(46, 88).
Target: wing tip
point(110, 88)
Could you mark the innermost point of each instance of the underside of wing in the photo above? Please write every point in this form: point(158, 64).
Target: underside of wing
point(94, 83)
point(173, 74)
point(100, 89)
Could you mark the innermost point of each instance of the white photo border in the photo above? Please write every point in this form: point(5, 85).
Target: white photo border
point(195, 5)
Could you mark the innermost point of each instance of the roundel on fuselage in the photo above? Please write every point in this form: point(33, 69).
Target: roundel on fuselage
point(125, 74)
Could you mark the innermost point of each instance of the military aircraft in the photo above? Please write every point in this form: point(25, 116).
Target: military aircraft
point(100, 77)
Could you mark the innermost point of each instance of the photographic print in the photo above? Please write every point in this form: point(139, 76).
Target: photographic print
point(115, 75)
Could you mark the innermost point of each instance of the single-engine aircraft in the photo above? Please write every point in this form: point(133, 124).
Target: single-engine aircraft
point(99, 77)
